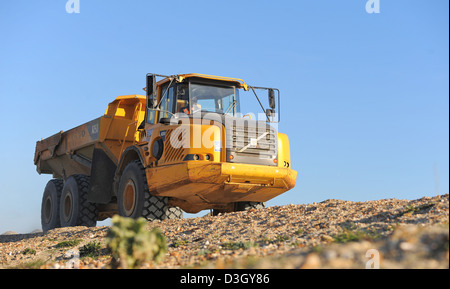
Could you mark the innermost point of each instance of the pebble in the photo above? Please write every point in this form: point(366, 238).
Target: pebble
point(305, 232)
point(405, 246)
point(312, 261)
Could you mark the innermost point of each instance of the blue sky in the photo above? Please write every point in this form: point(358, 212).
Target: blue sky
point(365, 97)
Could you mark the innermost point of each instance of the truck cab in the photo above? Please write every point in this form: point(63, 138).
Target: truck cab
point(201, 152)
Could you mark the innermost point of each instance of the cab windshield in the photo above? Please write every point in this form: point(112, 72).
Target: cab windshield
point(219, 99)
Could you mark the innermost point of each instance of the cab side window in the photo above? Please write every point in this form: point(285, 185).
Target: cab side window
point(182, 104)
point(167, 102)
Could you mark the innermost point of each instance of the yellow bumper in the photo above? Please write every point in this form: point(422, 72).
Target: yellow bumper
point(199, 185)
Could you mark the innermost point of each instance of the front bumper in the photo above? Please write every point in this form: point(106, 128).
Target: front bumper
point(198, 185)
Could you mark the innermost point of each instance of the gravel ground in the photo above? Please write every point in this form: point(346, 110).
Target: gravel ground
point(386, 233)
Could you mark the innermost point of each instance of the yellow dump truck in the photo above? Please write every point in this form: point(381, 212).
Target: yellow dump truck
point(184, 146)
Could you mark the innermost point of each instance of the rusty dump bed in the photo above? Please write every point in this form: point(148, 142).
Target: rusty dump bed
point(71, 152)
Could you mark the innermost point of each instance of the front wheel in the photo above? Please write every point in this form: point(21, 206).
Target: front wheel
point(240, 206)
point(134, 199)
point(245, 206)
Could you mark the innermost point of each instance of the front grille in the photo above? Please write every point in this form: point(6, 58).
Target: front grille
point(173, 149)
point(252, 143)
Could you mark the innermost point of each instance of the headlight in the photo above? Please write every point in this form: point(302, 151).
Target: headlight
point(158, 148)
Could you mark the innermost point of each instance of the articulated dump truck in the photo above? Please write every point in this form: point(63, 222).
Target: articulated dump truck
point(184, 146)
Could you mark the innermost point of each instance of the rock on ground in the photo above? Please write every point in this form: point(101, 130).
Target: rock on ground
point(387, 233)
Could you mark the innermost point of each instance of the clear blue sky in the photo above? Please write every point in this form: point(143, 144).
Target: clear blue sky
point(365, 97)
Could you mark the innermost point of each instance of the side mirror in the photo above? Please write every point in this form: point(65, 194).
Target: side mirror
point(270, 113)
point(272, 99)
point(151, 90)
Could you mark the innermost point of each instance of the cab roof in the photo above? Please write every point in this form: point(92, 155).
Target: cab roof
point(180, 77)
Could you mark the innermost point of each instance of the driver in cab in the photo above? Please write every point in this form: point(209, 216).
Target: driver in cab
point(195, 107)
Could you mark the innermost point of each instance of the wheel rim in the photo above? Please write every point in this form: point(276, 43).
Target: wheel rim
point(48, 207)
point(67, 209)
point(129, 198)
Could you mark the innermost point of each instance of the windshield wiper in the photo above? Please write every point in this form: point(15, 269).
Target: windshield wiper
point(231, 107)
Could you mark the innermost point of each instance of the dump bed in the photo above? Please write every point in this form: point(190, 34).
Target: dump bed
point(71, 152)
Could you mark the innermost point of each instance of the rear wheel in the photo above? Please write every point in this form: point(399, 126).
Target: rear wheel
point(50, 205)
point(75, 210)
point(134, 199)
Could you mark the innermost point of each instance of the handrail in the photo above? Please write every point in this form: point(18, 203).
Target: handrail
point(137, 108)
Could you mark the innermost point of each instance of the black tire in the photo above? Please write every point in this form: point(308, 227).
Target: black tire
point(134, 199)
point(50, 205)
point(245, 206)
point(75, 210)
point(156, 208)
point(239, 207)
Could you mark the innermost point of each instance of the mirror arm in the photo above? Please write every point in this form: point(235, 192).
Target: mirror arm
point(266, 88)
point(268, 119)
point(164, 95)
point(152, 77)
